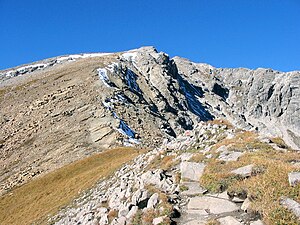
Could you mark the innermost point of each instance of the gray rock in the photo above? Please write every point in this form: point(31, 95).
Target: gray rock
point(153, 200)
point(191, 170)
point(244, 171)
point(294, 178)
point(229, 220)
point(132, 212)
point(194, 188)
point(246, 205)
point(291, 205)
point(230, 156)
point(212, 205)
point(103, 220)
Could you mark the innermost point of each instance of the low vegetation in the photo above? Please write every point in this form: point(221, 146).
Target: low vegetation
point(164, 162)
point(269, 180)
point(34, 201)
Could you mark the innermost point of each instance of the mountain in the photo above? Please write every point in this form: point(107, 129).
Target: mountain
point(60, 110)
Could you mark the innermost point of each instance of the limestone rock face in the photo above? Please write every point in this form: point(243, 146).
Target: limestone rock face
point(264, 99)
point(58, 110)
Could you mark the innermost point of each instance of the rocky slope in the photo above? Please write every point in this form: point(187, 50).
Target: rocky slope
point(62, 109)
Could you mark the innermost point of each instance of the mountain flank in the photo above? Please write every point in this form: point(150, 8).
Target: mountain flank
point(207, 143)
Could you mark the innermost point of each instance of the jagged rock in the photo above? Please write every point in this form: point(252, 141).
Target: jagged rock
point(191, 170)
point(229, 220)
point(294, 178)
point(132, 212)
point(153, 200)
point(103, 220)
point(291, 205)
point(244, 171)
point(246, 205)
point(212, 205)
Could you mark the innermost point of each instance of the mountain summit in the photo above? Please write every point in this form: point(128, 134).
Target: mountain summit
point(58, 110)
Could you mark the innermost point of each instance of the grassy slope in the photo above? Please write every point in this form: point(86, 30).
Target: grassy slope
point(36, 200)
point(268, 183)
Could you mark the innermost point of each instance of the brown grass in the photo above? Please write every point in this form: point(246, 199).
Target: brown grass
point(279, 142)
point(34, 201)
point(222, 122)
point(163, 162)
point(268, 183)
point(244, 141)
point(198, 157)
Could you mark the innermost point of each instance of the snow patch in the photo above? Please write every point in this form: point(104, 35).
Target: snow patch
point(102, 73)
point(80, 56)
point(129, 56)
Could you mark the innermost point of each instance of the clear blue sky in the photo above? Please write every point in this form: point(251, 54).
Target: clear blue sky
point(224, 33)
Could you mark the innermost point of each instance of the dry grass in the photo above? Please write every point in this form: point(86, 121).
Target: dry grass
point(268, 183)
point(34, 201)
point(198, 157)
point(213, 222)
point(112, 214)
point(279, 142)
point(222, 122)
point(163, 162)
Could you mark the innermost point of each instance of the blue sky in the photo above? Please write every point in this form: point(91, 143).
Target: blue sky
point(231, 33)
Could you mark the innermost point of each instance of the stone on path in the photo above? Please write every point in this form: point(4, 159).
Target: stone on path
point(194, 188)
point(211, 205)
point(244, 171)
point(294, 178)
point(229, 220)
point(191, 170)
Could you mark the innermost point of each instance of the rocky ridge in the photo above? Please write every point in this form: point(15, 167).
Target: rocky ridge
point(66, 108)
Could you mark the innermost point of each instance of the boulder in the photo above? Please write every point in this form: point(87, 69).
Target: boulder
point(153, 200)
point(244, 171)
point(212, 205)
point(291, 205)
point(294, 178)
point(191, 170)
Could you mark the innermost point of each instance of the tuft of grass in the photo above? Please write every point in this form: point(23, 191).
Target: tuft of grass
point(183, 188)
point(213, 222)
point(279, 142)
point(222, 122)
point(163, 162)
point(36, 200)
point(198, 157)
point(112, 214)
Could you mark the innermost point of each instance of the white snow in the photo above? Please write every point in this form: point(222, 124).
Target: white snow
point(80, 56)
point(129, 56)
point(102, 73)
point(24, 69)
point(38, 66)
